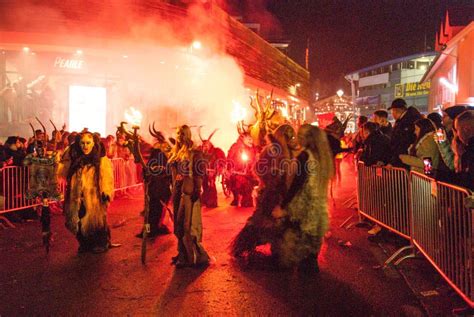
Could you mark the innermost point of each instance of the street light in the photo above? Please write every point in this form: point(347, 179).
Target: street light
point(197, 45)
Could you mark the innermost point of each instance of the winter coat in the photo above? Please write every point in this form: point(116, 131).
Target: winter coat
point(387, 130)
point(82, 188)
point(403, 134)
point(376, 148)
point(466, 175)
point(426, 147)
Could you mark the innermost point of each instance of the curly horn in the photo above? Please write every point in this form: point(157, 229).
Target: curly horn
point(199, 133)
point(124, 130)
point(212, 134)
point(33, 129)
point(44, 129)
point(55, 129)
point(152, 133)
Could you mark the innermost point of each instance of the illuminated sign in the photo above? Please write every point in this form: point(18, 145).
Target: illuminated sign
point(65, 63)
point(412, 89)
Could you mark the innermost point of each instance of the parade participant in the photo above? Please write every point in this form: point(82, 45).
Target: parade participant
point(304, 207)
point(215, 159)
point(241, 158)
point(187, 171)
point(89, 190)
point(159, 185)
point(272, 169)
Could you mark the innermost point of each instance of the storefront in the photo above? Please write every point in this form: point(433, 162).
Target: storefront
point(94, 75)
point(452, 73)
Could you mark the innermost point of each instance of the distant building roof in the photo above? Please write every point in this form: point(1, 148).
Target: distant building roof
point(394, 61)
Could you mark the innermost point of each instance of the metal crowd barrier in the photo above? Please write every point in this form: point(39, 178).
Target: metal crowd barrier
point(383, 196)
point(443, 231)
point(431, 214)
point(14, 184)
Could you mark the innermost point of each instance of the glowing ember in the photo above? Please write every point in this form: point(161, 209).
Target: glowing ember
point(133, 116)
point(238, 113)
point(284, 112)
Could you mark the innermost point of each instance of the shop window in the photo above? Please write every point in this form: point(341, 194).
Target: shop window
point(422, 65)
point(411, 64)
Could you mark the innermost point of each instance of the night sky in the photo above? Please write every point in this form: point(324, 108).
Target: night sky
point(347, 35)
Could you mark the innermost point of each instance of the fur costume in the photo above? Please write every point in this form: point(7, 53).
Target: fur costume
point(215, 159)
point(90, 188)
point(242, 180)
point(261, 227)
point(307, 216)
point(187, 180)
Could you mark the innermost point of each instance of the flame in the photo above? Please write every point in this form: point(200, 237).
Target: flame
point(238, 113)
point(133, 116)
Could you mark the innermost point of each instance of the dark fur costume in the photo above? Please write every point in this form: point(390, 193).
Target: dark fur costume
point(159, 191)
point(242, 179)
point(215, 161)
point(261, 228)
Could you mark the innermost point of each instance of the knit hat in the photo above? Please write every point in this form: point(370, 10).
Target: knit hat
point(454, 111)
point(398, 103)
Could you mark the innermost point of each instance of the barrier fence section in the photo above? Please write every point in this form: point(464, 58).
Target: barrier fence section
point(443, 231)
point(383, 196)
point(14, 184)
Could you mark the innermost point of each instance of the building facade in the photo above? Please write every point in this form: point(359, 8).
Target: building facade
point(61, 60)
point(452, 73)
point(375, 87)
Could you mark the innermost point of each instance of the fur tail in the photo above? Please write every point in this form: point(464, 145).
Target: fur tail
point(246, 241)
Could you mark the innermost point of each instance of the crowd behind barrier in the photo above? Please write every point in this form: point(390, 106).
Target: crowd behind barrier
point(433, 215)
point(14, 184)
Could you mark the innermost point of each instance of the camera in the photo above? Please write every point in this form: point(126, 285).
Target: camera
point(427, 166)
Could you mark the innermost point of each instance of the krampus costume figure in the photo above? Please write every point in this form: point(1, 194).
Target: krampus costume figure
point(304, 208)
point(241, 159)
point(89, 190)
point(272, 168)
point(215, 163)
point(187, 170)
point(159, 187)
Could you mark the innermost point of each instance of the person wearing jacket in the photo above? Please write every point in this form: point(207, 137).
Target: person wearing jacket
point(403, 132)
point(381, 118)
point(464, 125)
point(376, 148)
point(423, 147)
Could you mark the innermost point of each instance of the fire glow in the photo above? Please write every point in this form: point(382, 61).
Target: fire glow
point(133, 116)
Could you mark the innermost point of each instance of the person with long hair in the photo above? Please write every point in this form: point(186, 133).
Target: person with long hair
point(187, 168)
point(89, 191)
point(424, 147)
point(304, 207)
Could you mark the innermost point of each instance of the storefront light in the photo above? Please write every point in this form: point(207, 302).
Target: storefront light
point(446, 83)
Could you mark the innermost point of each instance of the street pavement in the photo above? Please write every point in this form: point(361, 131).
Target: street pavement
point(352, 281)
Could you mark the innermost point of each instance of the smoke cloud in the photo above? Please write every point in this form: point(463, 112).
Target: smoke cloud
point(172, 69)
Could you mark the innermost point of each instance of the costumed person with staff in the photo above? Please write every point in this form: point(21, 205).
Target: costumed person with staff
point(89, 191)
point(187, 168)
point(159, 183)
point(304, 208)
